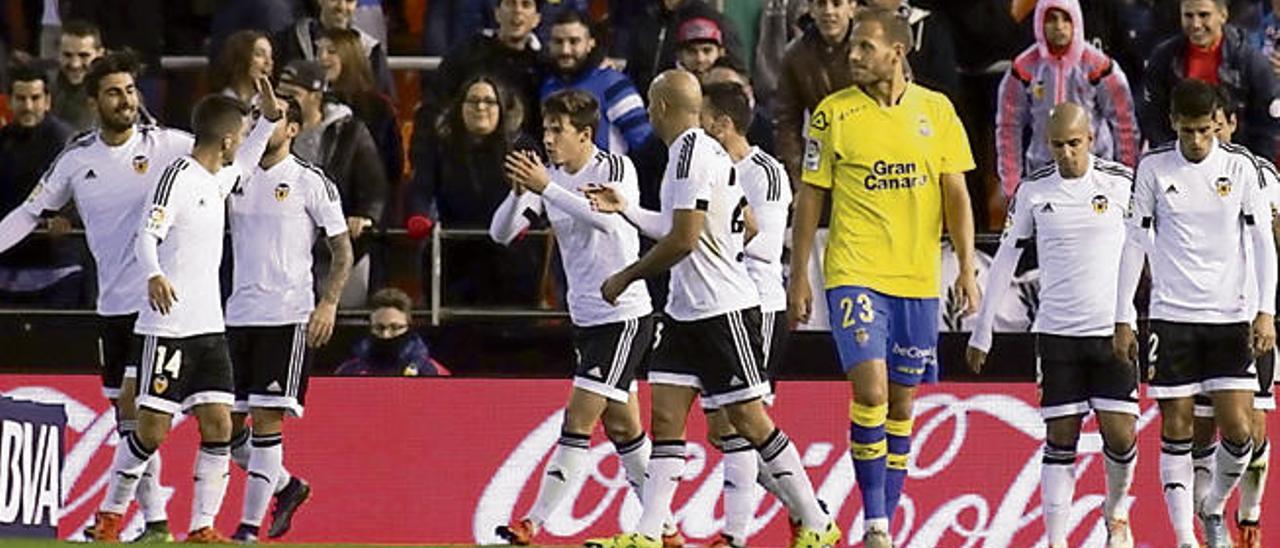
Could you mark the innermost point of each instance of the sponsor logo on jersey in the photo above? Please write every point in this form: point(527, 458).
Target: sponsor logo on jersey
point(140, 164)
point(90, 175)
point(819, 122)
point(1048, 208)
point(895, 176)
point(282, 192)
point(1100, 204)
point(925, 130)
point(1223, 186)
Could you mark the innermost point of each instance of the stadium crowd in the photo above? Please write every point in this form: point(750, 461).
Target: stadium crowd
point(416, 149)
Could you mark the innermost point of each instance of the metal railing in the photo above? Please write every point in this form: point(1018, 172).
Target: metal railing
point(395, 62)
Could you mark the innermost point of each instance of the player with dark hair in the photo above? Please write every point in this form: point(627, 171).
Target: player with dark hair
point(1202, 199)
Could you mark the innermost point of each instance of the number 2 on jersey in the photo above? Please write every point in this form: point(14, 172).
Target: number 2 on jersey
point(866, 313)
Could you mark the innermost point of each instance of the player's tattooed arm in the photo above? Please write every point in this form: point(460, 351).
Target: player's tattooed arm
point(339, 268)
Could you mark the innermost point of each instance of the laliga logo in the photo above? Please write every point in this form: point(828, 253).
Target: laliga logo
point(96, 432)
point(986, 522)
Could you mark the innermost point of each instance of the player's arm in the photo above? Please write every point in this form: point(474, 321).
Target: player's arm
point(324, 206)
point(818, 173)
point(957, 213)
point(16, 226)
point(686, 225)
point(1257, 220)
point(1019, 230)
point(514, 215)
point(1138, 222)
point(653, 224)
point(162, 210)
point(51, 193)
point(255, 145)
point(525, 169)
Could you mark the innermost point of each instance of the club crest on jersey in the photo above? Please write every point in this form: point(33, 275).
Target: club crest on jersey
point(1099, 204)
point(159, 385)
point(282, 192)
point(140, 164)
point(1223, 186)
point(861, 336)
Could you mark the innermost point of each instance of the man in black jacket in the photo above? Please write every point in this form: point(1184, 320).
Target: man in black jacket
point(1211, 50)
point(933, 54)
point(333, 139)
point(651, 42)
point(298, 41)
point(38, 272)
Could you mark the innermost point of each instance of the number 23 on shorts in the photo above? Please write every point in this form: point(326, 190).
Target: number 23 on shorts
point(861, 306)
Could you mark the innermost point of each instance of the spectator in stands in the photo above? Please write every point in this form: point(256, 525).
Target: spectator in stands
point(1061, 67)
point(138, 25)
point(508, 53)
point(448, 23)
point(814, 65)
point(779, 24)
point(1268, 35)
point(350, 78)
point(268, 17)
point(651, 40)
point(1212, 51)
point(244, 60)
point(459, 181)
point(300, 40)
point(79, 45)
point(333, 139)
point(576, 63)
point(701, 45)
point(392, 348)
point(36, 272)
point(932, 57)
point(761, 131)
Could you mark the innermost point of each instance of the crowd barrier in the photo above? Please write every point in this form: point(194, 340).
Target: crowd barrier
point(445, 460)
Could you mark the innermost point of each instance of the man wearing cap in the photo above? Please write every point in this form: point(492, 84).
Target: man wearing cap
point(701, 45)
point(333, 139)
point(651, 45)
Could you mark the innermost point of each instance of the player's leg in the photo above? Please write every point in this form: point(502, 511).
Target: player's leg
point(1230, 376)
point(623, 427)
point(266, 463)
point(1174, 359)
point(913, 336)
point(1254, 482)
point(150, 493)
point(1113, 395)
point(1062, 373)
point(1204, 443)
point(207, 368)
point(740, 470)
point(1057, 476)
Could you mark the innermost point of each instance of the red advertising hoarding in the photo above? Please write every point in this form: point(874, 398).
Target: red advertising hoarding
point(445, 460)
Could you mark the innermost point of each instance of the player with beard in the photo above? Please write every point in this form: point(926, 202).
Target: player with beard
point(272, 316)
point(107, 172)
point(624, 124)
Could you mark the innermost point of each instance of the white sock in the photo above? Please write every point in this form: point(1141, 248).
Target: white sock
point(240, 449)
point(150, 493)
point(127, 465)
point(565, 467)
point(1231, 462)
point(666, 465)
point(213, 463)
point(1254, 484)
point(282, 480)
point(740, 470)
point(266, 458)
point(1202, 460)
point(782, 461)
point(1176, 476)
point(1057, 490)
point(1119, 470)
point(634, 455)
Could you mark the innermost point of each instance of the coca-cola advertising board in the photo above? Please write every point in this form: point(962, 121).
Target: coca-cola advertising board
point(445, 460)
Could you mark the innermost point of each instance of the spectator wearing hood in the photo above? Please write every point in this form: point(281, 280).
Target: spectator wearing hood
point(1215, 52)
point(814, 65)
point(1061, 67)
point(392, 348)
point(576, 64)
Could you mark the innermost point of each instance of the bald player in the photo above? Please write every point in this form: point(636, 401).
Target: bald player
point(711, 341)
point(1073, 212)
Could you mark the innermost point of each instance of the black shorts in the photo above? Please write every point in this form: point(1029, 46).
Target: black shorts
point(1186, 358)
point(776, 336)
point(178, 374)
point(271, 365)
point(119, 351)
point(1076, 374)
point(721, 356)
point(1263, 400)
point(608, 356)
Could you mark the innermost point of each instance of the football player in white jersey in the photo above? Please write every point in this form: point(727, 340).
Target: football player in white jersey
point(1204, 445)
point(107, 172)
point(1202, 199)
point(273, 319)
point(185, 363)
point(711, 339)
point(609, 341)
point(1073, 211)
point(726, 116)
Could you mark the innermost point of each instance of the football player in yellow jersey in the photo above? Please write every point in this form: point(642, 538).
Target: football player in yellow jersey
point(893, 155)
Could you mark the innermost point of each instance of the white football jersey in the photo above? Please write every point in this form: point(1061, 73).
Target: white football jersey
point(1199, 213)
point(713, 279)
point(187, 214)
point(768, 190)
point(109, 185)
point(274, 216)
point(1078, 227)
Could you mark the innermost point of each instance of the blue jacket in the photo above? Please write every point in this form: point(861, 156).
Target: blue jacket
point(624, 122)
point(414, 360)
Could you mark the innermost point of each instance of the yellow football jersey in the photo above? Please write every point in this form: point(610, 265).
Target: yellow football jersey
point(883, 167)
